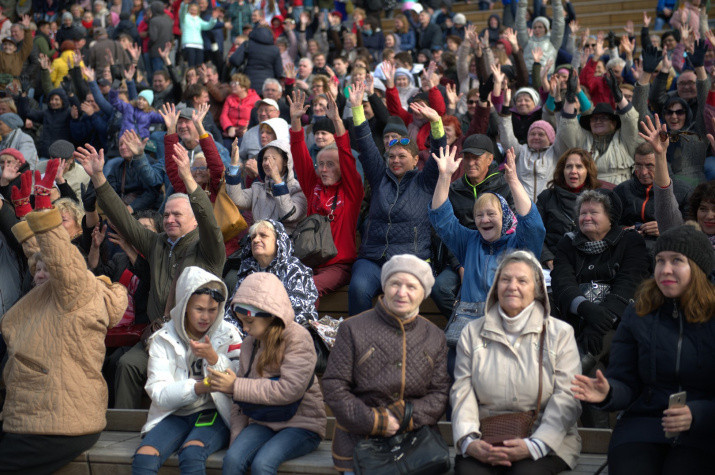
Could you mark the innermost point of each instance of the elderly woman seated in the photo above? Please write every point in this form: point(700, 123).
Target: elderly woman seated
point(271, 250)
point(516, 359)
point(385, 357)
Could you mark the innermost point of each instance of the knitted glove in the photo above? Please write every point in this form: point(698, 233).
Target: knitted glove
point(697, 58)
point(596, 316)
point(651, 58)
point(89, 197)
point(612, 40)
point(21, 197)
point(486, 88)
point(571, 87)
point(613, 85)
point(43, 185)
point(591, 341)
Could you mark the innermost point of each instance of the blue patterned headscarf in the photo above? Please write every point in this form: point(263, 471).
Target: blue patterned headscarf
point(508, 218)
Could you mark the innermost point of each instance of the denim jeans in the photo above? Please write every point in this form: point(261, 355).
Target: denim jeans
point(194, 56)
point(263, 450)
point(171, 434)
point(364, 285)
point(444, 291)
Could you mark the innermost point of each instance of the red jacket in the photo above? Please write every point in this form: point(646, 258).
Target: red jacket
point(597, 86)
point(320, 198)
point(213, 162)
point(394, 107)
point(236, 112)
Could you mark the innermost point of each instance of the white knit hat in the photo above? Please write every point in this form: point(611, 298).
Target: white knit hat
point(412, 265)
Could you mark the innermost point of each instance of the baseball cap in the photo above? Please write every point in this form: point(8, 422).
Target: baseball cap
point(478, 144)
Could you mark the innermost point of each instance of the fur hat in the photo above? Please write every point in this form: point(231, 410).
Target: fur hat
point(412, 265)
point(690, 242)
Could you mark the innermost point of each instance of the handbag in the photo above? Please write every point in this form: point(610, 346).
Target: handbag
point(515, 425)
point(321, 350)
point(269, 412)
point(228, 217)
point(420, 452)
point(313, 239)
point(594, 291)
point(463, 314)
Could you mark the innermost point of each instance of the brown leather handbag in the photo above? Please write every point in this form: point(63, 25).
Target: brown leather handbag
point(228, 217)
point(516, 425)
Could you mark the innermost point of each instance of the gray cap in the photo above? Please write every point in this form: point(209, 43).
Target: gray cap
point(186, 113)
point(61, 149)
point(478, 144)
point(395, 124)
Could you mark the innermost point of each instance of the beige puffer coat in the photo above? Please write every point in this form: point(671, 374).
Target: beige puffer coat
point(265, 291)
point(55, 337)
point(493, 377)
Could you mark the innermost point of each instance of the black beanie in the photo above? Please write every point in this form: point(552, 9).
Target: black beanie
point(325, 125)
point(395, 124)
point(690, 242)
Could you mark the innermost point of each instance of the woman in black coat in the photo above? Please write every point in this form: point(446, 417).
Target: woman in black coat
point(262, 57)
point(575, 173)
point(664, 345)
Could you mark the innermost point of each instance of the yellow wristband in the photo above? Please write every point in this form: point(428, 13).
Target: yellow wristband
point(207, 381)
point(206, 135)
point(437, 129)
point(358, 115)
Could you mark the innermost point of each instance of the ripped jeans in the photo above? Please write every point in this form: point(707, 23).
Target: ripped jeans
point(171, 434)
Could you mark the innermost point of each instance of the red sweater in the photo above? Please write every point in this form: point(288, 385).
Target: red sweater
point(236, 112)
point(320, 198)
point(597, 86)
point(394, 107)
point(213, 162)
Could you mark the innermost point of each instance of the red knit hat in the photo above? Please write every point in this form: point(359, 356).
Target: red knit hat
point(14, 153)
point(507, 46)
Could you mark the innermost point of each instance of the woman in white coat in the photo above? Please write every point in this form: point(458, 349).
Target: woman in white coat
point(497, 372)
point(184, 414)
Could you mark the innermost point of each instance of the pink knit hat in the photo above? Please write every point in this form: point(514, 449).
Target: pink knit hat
point(14, 153)
point(546, 127)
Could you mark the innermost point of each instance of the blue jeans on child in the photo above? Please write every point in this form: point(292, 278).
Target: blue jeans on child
point(263, 450)
point(171, 434)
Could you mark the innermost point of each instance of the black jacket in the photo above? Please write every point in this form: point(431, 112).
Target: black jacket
point(463, 194)
point(653, 357)
point(557, 207)
point(623, 265)
point(55, 122)
point(263, 60)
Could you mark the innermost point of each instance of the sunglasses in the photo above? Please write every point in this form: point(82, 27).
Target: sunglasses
point(214, 294)
point(674, 112)
point(472, 102)
point(237, 309)
point(403, 141)
point(593, 45)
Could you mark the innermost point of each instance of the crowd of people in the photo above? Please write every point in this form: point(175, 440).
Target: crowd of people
point(550, 188)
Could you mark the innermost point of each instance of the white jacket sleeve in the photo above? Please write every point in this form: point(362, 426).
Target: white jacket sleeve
point(161, 385)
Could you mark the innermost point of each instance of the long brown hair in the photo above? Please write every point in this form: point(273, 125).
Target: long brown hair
point(405, 23)
point(558, 179)
point(272, 354)
point(697, 302)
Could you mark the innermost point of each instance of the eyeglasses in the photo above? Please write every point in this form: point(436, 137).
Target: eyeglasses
point(237, 309)
point(199, 169)
point(213, 293)
point(593, 45)
point(674, 112)
point(403, 141)
point(472, 102)
point(235, 83)
point(686, 83)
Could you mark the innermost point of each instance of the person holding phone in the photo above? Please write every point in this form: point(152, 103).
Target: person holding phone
point(665, 344)
point(185, 415)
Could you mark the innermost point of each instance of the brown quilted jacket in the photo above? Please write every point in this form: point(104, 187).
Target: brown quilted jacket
point(55, 338)
point(378, 362)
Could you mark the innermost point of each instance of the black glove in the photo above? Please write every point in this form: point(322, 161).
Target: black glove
point(591, 341)
point(651, 58)
point(571, 87)
point(697, 57)
point(89, 197)
point(614, 86)
point(485, 88)
point(613, 41)
point(596, 316)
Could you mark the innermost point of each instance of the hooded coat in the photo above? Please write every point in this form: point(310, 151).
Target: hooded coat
point(295, 276)
point(296, 375)
point(284, 202)
point(251, 142)
point(134, 118)
point(261, 57)
point(493, 376)
point(480, 258)
point(549, 43)
point(55, 338)
point(168, 384)
point(55, 122)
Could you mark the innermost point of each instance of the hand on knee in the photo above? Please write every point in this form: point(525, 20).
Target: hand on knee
point(147, 450)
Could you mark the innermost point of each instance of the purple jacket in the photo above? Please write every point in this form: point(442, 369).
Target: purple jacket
point(133, 118)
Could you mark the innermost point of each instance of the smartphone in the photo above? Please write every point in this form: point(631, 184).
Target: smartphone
point(675, 400)
point(206, 419)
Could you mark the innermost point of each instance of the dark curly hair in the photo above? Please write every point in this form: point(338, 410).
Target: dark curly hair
point(702, 192)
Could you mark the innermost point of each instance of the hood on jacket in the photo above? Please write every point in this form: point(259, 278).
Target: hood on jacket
point(191, 279)
point(688, 111)
point(284, 246)
point(284, 147)
point(262, 35)
point(157, 8)
point(62, 94)
point(266, 292)
point(540, 283)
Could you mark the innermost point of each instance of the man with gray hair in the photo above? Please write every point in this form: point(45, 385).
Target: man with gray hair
point(191, 237)
point(272, 89)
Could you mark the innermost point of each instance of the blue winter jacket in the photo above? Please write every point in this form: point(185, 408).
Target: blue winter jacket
point(653, 357)
point(134, 118)
point(139, 178)
point(397, 221)
point(479, 257)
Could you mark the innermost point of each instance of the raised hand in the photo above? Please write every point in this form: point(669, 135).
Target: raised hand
point(426, 111)
point(165, 52)
point(44, 184)
point(183, 164)
point(574, 27)
point(629, 28)
point(555, 88)
point(592, 390)
point(21, 196)
point(651, 58)
point(497, 74)
point(25, 22)
point(510, 36)
point(235, 155)
point(646, 19)
point(613, 85)
point(333, 113)
point(697, 57)
point(598, 51)
point(389, 70)
point(88, 73)
point(45, 62)
point(289, 71)
point(203, 348)
point(170, 115)
point(485, 88)
point(129, 72)
point(452, 96)
point(108, 56)
point(197, 117)
point(655, 133)
point(98, 235)
point(134, 51)
point(10, 172)
point(357, 92)
point(297, 105)
point(134, 142)
point(446, 162)
point(538, 54)
point(510, 167)
point(91, 160)
point(370, 85)
point(665, 63)
point(627, 45)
